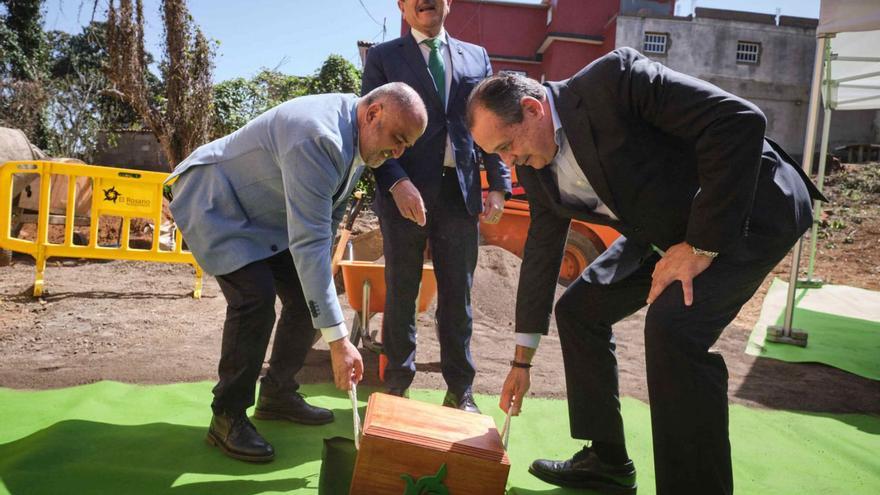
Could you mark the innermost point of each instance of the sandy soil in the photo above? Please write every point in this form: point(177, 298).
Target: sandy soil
point(136, 322)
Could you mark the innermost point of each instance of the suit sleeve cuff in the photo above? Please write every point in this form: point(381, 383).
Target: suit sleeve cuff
point(530, 340)
point(398, 181)
point(336, 332)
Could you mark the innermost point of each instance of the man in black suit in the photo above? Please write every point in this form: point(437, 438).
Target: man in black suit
point(432, 194)
point(707, 207)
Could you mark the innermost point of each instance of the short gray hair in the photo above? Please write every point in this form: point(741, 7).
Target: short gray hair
point(501, 95)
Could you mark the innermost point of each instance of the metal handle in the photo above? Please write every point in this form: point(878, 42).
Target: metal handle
point(505, 430)
point(355, 416)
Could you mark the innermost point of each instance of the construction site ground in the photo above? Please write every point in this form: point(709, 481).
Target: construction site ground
point(137, 322)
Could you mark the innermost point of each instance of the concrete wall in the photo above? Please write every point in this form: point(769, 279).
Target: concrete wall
point(779, 84)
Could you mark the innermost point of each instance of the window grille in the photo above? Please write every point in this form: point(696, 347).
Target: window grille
point(655, 43)
point(748, 52)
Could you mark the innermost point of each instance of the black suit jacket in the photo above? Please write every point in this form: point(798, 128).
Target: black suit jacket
point(675, 158)
point(400, 60)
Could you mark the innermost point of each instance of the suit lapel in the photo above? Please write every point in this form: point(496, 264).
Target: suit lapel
point(456, 55)
point(416, 62)
point(577, 128)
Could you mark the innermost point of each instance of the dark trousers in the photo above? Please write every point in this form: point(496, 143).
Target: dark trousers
point(250, 314)
point(453, 235)
point(687, 384)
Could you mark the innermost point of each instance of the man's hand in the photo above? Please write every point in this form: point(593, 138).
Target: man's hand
point(409, 201)
point(347, 364)
point(515, 387)
point(493, 207)
point(682, 264)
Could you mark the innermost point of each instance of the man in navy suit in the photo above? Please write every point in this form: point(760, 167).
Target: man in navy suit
point(432, 193)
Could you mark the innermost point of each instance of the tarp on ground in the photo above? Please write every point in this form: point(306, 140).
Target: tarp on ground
point(843, 324)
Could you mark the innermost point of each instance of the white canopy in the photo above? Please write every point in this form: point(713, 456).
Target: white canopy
point(854, 71)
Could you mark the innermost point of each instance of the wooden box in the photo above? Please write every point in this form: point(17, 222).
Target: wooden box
point(406, 442)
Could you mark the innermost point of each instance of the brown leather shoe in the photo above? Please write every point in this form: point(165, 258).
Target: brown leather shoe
point(586, 470)
point(237, 437)
point(465, 401)
point(292, 407)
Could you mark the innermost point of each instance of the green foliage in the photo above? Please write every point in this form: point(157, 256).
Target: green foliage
point(79, 107)
point(239, 100)
point(336, 75)
point(23, 53)
point(23, 63)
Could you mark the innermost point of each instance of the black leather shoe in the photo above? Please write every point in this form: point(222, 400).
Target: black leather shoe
point(399, 392)
point(292, 408)
point(237, 437)
point(586, 470)
point(465, 402)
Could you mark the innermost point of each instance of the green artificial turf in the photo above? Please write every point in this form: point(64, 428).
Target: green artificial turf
point(114, 438)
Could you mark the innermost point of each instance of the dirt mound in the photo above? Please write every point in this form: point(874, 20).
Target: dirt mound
point(495, 280)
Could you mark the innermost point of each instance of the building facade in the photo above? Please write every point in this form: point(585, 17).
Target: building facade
point(755, 56)
point(763, 59)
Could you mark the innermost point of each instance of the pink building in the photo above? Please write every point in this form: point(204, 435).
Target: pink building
point(550, 39)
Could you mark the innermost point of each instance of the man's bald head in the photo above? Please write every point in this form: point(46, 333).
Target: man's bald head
point(390, 119)
point(402, 98)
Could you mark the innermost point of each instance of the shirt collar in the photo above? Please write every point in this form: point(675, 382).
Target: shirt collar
point(358, 159)
point(558, 132)
point(420, 36)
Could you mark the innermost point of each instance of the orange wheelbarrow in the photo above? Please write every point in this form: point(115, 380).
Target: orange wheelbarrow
point(365, 289)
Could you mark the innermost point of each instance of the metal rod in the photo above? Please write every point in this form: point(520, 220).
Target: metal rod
point(822, 43)
point(817, 204)
point(855, 59)
point(856, 77)
point(365, 311)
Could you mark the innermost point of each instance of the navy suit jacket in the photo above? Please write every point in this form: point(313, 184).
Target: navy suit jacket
point(400, 60)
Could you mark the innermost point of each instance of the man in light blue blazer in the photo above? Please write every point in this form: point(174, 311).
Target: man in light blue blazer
point(259, 210)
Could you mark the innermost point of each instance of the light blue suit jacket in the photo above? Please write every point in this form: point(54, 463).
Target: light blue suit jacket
point(282, 180)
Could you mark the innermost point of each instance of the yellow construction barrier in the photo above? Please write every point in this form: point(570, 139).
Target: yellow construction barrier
point(116, 192)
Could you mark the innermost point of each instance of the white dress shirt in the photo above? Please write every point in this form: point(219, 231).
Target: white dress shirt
point(575, 191)
point(449, 156)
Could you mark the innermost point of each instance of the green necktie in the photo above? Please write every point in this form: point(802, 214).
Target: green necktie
point(437, 69)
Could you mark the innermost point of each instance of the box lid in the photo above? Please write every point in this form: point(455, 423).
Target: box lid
point(434, 427)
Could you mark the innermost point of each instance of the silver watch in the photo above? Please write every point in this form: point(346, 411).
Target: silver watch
point(703, 252)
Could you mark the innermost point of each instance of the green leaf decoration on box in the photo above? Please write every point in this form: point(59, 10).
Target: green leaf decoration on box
point(426, 485)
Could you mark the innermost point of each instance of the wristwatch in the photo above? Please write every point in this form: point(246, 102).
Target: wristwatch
point(703, 252)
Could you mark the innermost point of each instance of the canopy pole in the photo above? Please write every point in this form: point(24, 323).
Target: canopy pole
point(786, 334)
point(817, 204)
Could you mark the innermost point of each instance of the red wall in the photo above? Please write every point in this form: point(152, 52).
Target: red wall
point(504, 30)
point(582, 16)
point(517, 31)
